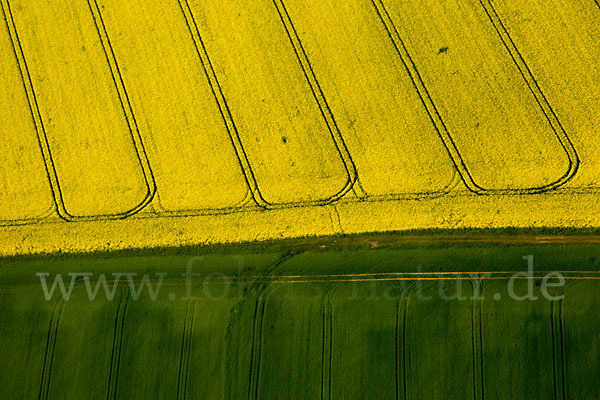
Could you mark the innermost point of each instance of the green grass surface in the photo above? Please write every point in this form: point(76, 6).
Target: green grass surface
point(304, 323)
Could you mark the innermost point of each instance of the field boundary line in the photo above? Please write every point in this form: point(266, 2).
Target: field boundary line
point(391, 275)
point(441, 273)
point(390, 280)
point(115, 358)
point(242, 280)
point(50, 350)
point(440, 126)
point(418, 279)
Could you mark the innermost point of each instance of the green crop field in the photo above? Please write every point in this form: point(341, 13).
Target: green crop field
point(305, 322)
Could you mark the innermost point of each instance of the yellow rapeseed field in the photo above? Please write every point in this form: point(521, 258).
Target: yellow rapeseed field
point(130, 124)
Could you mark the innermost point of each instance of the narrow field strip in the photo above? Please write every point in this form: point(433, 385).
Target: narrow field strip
point(140, 151)
point(559, 40)
point(315, 87)
point(546, 108)
point(217, 92)
point(190, 150)
point(391, 139)
point(287, 140)
point(483, 95)
point(25, 193)
point(80, 106)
